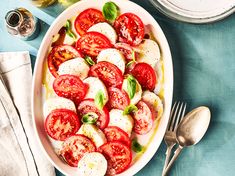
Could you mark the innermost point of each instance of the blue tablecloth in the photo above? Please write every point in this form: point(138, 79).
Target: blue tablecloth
point(204, 73)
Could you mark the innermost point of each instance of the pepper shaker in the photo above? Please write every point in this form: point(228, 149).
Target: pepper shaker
point(21, 23)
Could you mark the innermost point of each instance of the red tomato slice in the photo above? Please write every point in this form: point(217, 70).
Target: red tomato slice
point(130, 29)
point(86, 19)
point(118, 155)
point(75, 147)
point(58, 55)
point(88, 105)
point(126, 50)
point(145, 75)
point(118, 99)
point(61, 124)
point(92, 43)
point(109, 73)
point(71, 87)
point(143, 118)
point(114, 133)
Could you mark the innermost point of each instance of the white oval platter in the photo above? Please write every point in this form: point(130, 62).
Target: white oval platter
point(38, 97)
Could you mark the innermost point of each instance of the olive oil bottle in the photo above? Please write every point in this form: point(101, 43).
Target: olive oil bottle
point(42, 3)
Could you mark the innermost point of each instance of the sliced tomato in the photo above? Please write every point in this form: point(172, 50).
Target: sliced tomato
point(118, 99)
point(114, 133)
point(92, 43)
point(71, 87)
point(88, 105)
point(109, 73)
point(86, 19)
point(130, 29)
point(143, 118)
point(58, 55)
point(126, 50)
point(118, 155)
point(75, 147)
point(145, 75)
point(61, 124)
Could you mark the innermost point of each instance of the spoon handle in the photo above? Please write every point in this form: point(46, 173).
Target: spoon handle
point(176, 154)
point(168, 155)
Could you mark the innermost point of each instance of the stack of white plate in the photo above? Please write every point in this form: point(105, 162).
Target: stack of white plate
point(195, 11)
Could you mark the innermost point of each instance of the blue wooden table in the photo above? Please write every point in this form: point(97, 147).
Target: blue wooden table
point(204, 73)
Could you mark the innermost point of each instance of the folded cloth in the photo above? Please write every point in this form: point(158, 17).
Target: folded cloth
point(19, 150)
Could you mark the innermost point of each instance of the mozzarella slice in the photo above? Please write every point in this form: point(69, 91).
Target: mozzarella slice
point(155, 102)
point(125, 122)
point(149, 52)
point(105, 29)
point(95, 85)
point(138, 92)
point(94, 133)
point(77, 66)
point(160, 82)
point(113, 56)
point(57, 103)
point(68, 40)
point(92, 164)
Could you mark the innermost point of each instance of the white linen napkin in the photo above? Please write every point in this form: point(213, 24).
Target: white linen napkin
point(19, 150)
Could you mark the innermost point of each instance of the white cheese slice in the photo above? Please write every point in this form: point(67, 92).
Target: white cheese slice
point(160, 78)
point(125, 122)
point(57, 103)
point(148, 52)
point(68, 40)
point(155, 102)
point(113, 56)
point(94, 133)
point(92, 164)
point(105, 29)
point(95, 85)
point(77, 66)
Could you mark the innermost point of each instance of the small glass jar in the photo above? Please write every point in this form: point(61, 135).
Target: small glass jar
point(21, 23)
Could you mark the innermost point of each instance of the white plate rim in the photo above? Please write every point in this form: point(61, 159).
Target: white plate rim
point(36, 92)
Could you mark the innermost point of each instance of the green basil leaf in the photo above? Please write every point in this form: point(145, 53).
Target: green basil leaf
point(89, 60)
point(99, 99)
point(136, 147)
point(68, 25)
point(90, 118)
point(131, 86)
point(71, 34)
point(110, 11)
point(130, 109)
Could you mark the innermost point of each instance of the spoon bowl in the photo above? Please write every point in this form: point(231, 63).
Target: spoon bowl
point(193, 127)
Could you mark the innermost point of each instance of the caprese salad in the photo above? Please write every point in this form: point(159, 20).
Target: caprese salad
point(106, 74)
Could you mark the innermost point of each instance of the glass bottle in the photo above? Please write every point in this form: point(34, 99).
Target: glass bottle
point(67, 3)
point(42, 3)
point(21, 23)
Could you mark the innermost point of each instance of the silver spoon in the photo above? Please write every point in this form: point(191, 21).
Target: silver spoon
point(191, 130)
